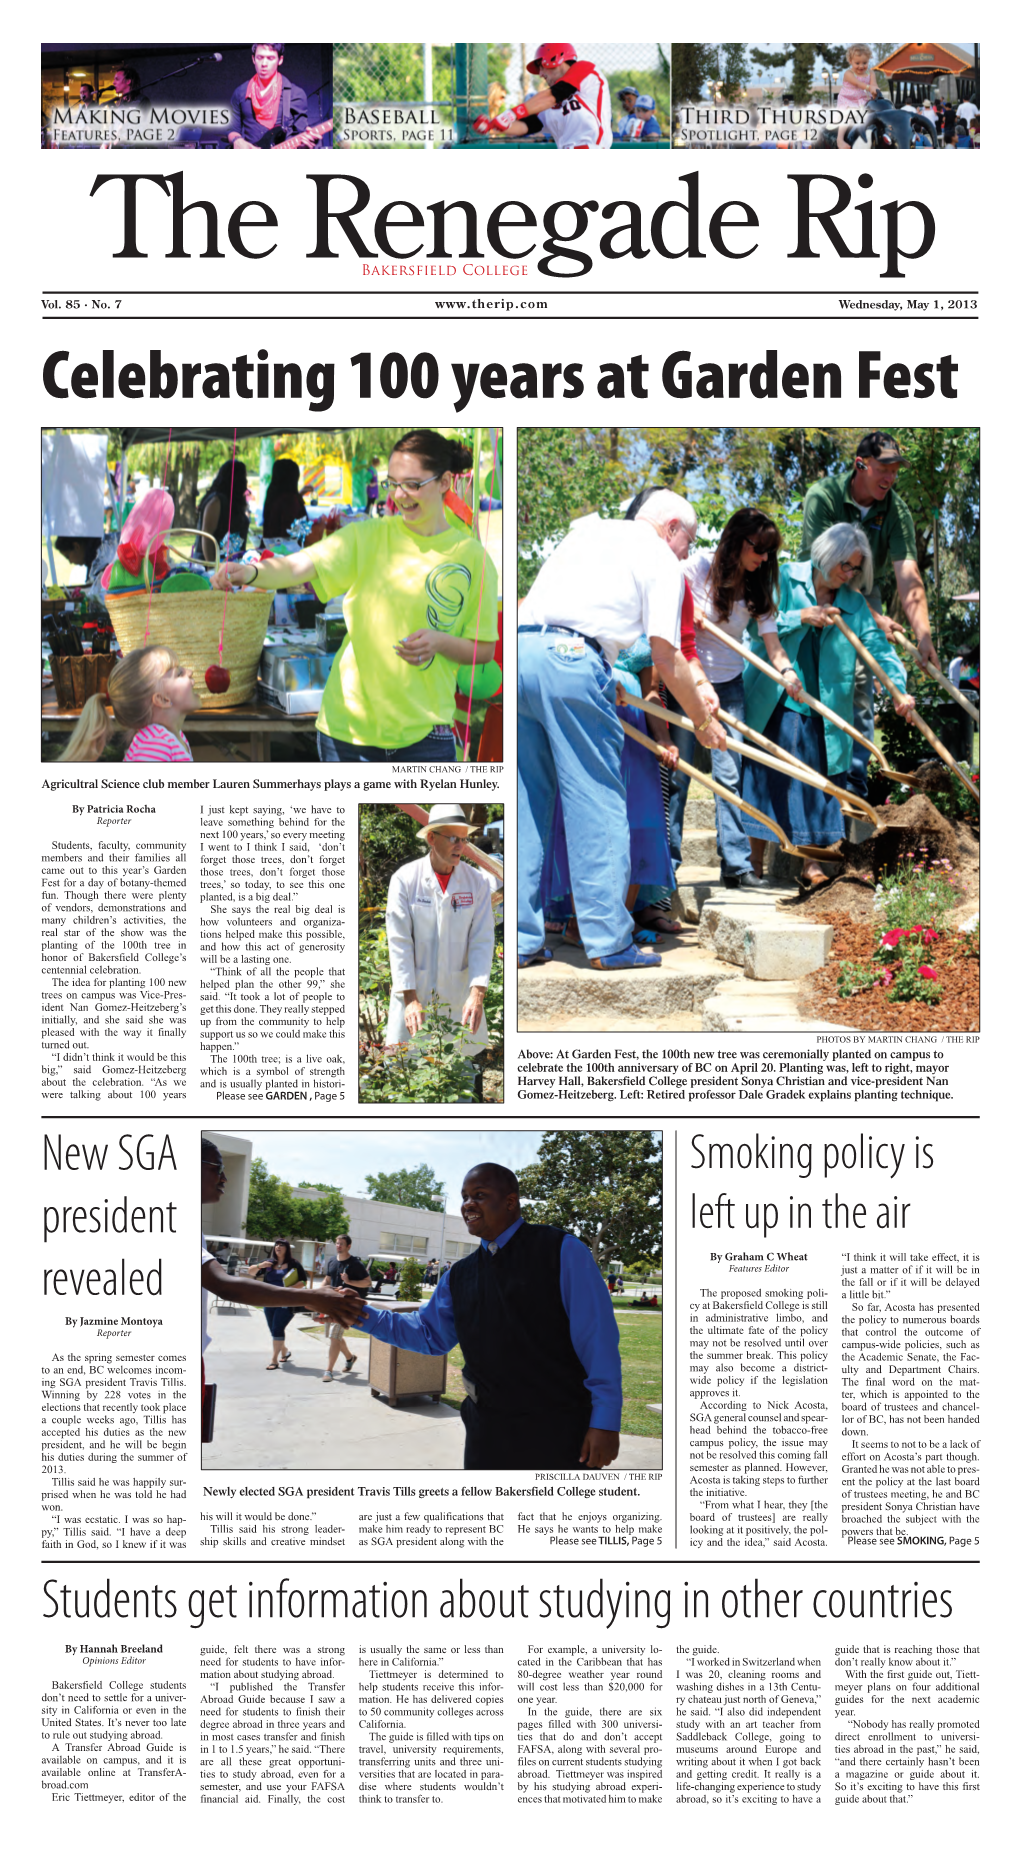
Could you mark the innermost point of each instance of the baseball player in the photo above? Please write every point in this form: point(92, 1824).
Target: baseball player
point(572, 104)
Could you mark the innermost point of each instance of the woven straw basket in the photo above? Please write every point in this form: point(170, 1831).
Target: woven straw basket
point(189, 623)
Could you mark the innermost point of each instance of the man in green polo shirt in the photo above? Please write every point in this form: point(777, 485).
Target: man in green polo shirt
point(867, 498)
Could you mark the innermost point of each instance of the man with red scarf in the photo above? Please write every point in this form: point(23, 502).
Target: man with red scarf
point(268, 102)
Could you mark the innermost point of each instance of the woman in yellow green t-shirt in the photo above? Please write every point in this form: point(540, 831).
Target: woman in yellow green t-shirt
point(419, 603)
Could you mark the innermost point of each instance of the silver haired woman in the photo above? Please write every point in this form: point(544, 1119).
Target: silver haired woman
point(810, 594)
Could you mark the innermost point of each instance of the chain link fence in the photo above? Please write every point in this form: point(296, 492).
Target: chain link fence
point(645, 67)
point(412, 95)
point(407, 95)
point(642, 67)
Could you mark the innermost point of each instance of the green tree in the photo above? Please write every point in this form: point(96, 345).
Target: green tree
point(802, 60)
point(562, 474)
point(604, 1186)
point(735, 70)
point(772, 60)
point(803, 73)
point(271, 1213)
point(323, 1219)
point(408, 1187)
point(387, 839)
point(688, 70)
point(942, 490)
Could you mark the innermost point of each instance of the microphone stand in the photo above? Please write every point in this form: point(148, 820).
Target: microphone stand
point(210, 57)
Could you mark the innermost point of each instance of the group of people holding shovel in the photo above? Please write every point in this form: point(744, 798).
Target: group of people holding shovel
point(770, 665)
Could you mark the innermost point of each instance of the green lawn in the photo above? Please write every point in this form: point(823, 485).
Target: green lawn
point(641, 1355)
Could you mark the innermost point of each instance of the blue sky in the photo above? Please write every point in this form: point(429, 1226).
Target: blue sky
point(344, 1157)
point(781, 72)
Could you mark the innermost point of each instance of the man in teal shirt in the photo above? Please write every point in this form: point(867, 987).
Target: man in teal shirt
point(867, 498)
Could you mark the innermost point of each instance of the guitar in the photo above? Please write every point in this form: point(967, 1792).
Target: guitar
point(273, 137)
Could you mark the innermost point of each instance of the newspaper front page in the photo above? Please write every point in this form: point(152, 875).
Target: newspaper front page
point(589, 1115)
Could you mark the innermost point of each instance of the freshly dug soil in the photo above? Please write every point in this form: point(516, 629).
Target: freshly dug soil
point(914, 824)
point(847, 897)
point(934, 775)
point(956, 1013)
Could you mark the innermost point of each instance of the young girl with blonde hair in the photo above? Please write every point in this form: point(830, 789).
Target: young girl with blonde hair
point(151, 695)
point(858, 85)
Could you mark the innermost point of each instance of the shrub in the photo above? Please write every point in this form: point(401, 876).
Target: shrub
point(411, 1275)
point(374, 984)
point(430, 1069)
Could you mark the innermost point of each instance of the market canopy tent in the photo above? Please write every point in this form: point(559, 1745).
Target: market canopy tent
point(913, 68)
point(186, 433)
point(131, 434)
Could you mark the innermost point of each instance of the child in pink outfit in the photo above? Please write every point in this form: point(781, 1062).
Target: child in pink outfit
point(857, 86)
point(151, 695)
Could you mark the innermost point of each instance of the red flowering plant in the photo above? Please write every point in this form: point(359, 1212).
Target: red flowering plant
point(912, 907)
point(915, 981)
point(911, 979)
point(906, 938)
point(905, 979)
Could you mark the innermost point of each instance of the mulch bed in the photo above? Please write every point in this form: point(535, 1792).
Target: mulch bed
point(957, 1012)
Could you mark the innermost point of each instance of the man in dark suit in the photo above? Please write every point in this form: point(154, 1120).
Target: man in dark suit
point(536, 1326)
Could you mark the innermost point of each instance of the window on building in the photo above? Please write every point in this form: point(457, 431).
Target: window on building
point(459, 1248)
point(414, 1245)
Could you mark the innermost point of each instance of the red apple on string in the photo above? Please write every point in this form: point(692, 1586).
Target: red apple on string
point(217, 677)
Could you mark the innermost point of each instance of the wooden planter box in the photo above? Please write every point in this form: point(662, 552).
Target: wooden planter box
point(398, 1374)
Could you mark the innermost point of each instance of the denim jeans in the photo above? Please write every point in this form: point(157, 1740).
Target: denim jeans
point(431, 749)
point(734, 852)
point(569, 738)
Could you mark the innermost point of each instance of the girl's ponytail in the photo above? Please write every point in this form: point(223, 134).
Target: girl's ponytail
point(91, 735)
point(133, 684)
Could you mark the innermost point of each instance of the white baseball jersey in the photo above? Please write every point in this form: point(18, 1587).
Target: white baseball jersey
point(583, 120)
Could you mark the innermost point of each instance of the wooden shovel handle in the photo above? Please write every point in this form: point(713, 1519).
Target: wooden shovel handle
point(775, 757)
point(789, 765)
point(843, 797)
point(935, 674)
point(915, 718)
point(738, 802)
point(807, 699)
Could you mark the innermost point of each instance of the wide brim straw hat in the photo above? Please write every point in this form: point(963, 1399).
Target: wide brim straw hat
point(446, 815)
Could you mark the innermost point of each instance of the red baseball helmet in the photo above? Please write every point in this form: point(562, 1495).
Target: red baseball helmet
point(551, 54)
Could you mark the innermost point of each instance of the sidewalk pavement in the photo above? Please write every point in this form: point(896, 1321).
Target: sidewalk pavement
point(293, 1420)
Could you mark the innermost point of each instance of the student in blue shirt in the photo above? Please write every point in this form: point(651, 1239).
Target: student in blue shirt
point(536, 1326)
point(644, 109)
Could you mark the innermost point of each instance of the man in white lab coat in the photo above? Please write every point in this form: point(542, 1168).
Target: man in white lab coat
point(440, 931)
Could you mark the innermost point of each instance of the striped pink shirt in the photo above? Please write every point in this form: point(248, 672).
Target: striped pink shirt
point(154, 744)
